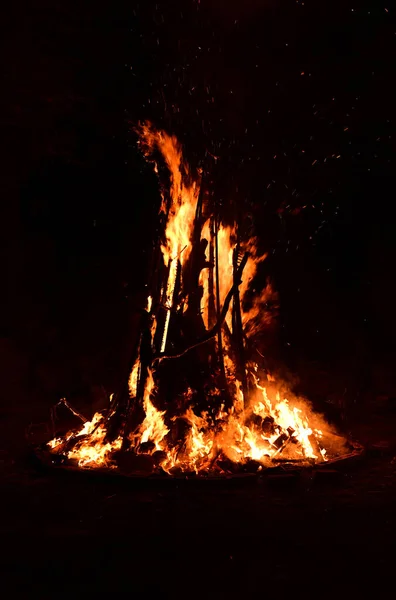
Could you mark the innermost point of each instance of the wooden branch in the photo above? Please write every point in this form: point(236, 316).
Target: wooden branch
point(214, 331)
point(72, 410)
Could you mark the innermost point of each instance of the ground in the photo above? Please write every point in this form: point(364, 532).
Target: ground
point(75, 535)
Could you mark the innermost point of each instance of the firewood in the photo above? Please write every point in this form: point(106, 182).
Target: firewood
point(212, 332)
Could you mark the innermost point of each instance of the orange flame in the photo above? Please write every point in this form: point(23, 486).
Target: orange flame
point(153, 428)
point(183, 193)
point(91, 450)
point(180, 210)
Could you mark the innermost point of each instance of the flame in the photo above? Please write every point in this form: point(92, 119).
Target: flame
point(268, 425)
point(204, 276)
point(133, 379)
point(180, 209)
point(55, 442)
point(229, 435)
point(91, 450)
point(153, 428)
point(183, 194)
point(198, 448)
point(149, 304)
point(257, 314)
point(225, 259)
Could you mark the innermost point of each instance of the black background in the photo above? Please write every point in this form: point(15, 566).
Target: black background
point(270, 88)
point(78, 211)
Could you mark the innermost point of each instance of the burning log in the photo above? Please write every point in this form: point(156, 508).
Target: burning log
point(211, 285)
point(237, 326)
point(283, 441)
point(268, 425)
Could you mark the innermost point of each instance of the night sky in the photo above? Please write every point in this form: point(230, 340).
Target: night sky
point(297, 99)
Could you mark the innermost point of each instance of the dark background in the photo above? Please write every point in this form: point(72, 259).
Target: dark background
point(270, 87)
point(298, 101)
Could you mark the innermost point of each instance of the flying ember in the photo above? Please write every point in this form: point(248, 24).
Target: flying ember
point(198, 398)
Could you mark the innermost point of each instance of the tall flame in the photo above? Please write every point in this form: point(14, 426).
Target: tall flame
point(180, 208)
point(183, 192)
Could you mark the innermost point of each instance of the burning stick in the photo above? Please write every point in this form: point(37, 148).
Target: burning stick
point(237, 328)
point(214, 331)
point(171, 293)
point(72, 410)
point(218, 311)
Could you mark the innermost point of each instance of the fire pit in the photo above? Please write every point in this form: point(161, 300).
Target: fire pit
point(198, 398)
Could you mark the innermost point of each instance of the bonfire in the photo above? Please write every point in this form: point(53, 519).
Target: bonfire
point(198, 397)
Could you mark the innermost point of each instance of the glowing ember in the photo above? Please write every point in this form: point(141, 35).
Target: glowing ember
point(245, 415)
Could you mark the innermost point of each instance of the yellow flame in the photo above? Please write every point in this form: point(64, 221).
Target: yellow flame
point(133, 379)
point(149, 304)
point(183, 194)
point(153, 428)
